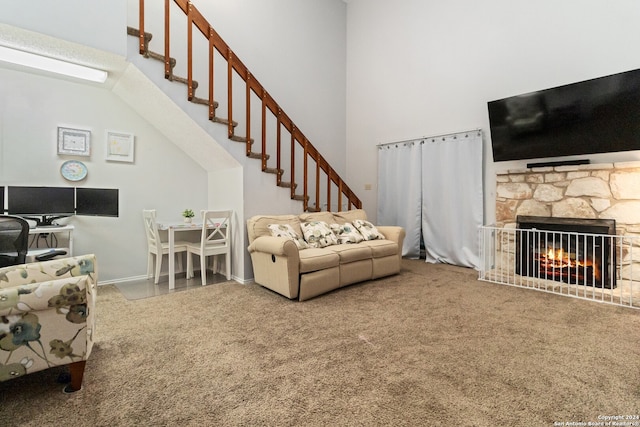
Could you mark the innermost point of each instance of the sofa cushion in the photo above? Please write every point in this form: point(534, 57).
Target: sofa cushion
point(318, 234)
point(381, 248)
point(350, 216)
point(286, 231)
point(368, 230)
point(314, 259)
point(350, 253)
point(258, 226)
point(346, 233)
point(317, 216)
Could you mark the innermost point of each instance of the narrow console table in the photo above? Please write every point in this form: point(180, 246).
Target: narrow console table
point(51, 232)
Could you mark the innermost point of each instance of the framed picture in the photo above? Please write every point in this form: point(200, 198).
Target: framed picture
point(76, 142)
point(120, 146)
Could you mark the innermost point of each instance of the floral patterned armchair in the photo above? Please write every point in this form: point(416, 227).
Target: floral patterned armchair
point(47, 316)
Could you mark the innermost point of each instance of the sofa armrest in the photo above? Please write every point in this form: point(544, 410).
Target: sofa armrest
point(274, 245)
point(35, 272)
point(394, 233)
point(276, 264)
point(57, 294)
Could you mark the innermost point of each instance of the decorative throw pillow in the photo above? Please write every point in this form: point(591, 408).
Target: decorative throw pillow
point(368, 230)
point(318, 234)
point(346, 233)
point(285, 230)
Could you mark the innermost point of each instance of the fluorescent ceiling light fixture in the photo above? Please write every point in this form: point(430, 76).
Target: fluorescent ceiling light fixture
point(32, 60)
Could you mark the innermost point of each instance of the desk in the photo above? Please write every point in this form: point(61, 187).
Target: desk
point(171, 228)
point(53, 230)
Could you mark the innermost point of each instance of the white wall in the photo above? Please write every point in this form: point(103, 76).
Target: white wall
point(162, 177)
point(295, 48)
point(427, 67)
point(93, 23)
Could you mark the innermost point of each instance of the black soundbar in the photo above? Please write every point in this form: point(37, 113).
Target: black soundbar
point(559, 163)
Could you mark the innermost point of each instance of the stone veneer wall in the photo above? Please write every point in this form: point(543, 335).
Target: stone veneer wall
point(608, 190)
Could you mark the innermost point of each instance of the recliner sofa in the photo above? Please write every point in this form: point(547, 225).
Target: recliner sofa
point(289, 266)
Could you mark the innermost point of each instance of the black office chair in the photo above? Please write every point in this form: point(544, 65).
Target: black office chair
point(14, 240)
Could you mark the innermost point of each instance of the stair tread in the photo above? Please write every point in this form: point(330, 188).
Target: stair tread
point(254, 155)
point(203, 101)
point(240, 139)
point(224, 122)
point(286, 184)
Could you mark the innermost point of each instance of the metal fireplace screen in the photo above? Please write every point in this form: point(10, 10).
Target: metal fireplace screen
point(571, 250)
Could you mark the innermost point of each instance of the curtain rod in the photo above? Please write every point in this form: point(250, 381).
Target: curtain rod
point(430, 137)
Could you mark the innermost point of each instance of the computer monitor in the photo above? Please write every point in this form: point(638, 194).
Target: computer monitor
point(41, 204)
point(97, 201)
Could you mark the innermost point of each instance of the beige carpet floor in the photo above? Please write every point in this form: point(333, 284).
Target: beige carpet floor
point(430, 346)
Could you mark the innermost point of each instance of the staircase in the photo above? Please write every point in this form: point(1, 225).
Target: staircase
point(309, 176)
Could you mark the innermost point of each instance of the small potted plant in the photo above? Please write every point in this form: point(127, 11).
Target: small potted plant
point(188, 215)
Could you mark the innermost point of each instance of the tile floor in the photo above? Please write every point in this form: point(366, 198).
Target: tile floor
point(143, 288)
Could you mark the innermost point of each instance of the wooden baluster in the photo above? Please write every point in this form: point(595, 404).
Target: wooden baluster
point(329, 189)
point(264, 129)
point(141, 43)
point(167, 57)
point(230, 92)
point(317, 184)
point(190, 52)
point(248, 114)
point(305, 179)
point(212, 110)
point(293, 161)
point(278, 148)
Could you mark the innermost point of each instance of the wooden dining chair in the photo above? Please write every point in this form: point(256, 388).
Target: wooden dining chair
point(215, 240)
point(156, 247)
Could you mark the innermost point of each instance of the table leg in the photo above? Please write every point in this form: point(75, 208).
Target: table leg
point(172, 259)
point(70, 242)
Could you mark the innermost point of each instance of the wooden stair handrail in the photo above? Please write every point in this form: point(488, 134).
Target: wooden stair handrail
point(234, 64)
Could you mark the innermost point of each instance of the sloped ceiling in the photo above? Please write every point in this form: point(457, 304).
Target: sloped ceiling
point(128, 83)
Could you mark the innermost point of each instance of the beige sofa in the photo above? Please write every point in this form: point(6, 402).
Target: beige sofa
point(305, 272)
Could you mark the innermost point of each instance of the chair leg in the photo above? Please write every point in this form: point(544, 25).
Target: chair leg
point(76, 370)
point(214, 264)
point(158, 267)
point(189, 265)
point(179, 261)
point(203, 269)
point(149, 265)
point(227, 261)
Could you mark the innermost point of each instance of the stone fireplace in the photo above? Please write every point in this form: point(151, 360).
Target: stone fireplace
point(598, 194)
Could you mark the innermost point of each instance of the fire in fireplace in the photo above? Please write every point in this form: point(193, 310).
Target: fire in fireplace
point(572, 250)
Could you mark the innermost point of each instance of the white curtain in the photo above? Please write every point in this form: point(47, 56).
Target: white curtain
point(433, 188)
point(452, 198)
point(399, 191)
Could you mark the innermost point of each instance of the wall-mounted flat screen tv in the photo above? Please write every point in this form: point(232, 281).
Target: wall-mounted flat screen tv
point(41, 200)
point(97, 201)
point(600, 115)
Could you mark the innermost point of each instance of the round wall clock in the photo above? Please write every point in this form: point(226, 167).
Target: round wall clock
point(73, 170)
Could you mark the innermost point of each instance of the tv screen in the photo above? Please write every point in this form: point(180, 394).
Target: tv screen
point(41, 200)
point(97, 201)
point(600, 115)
